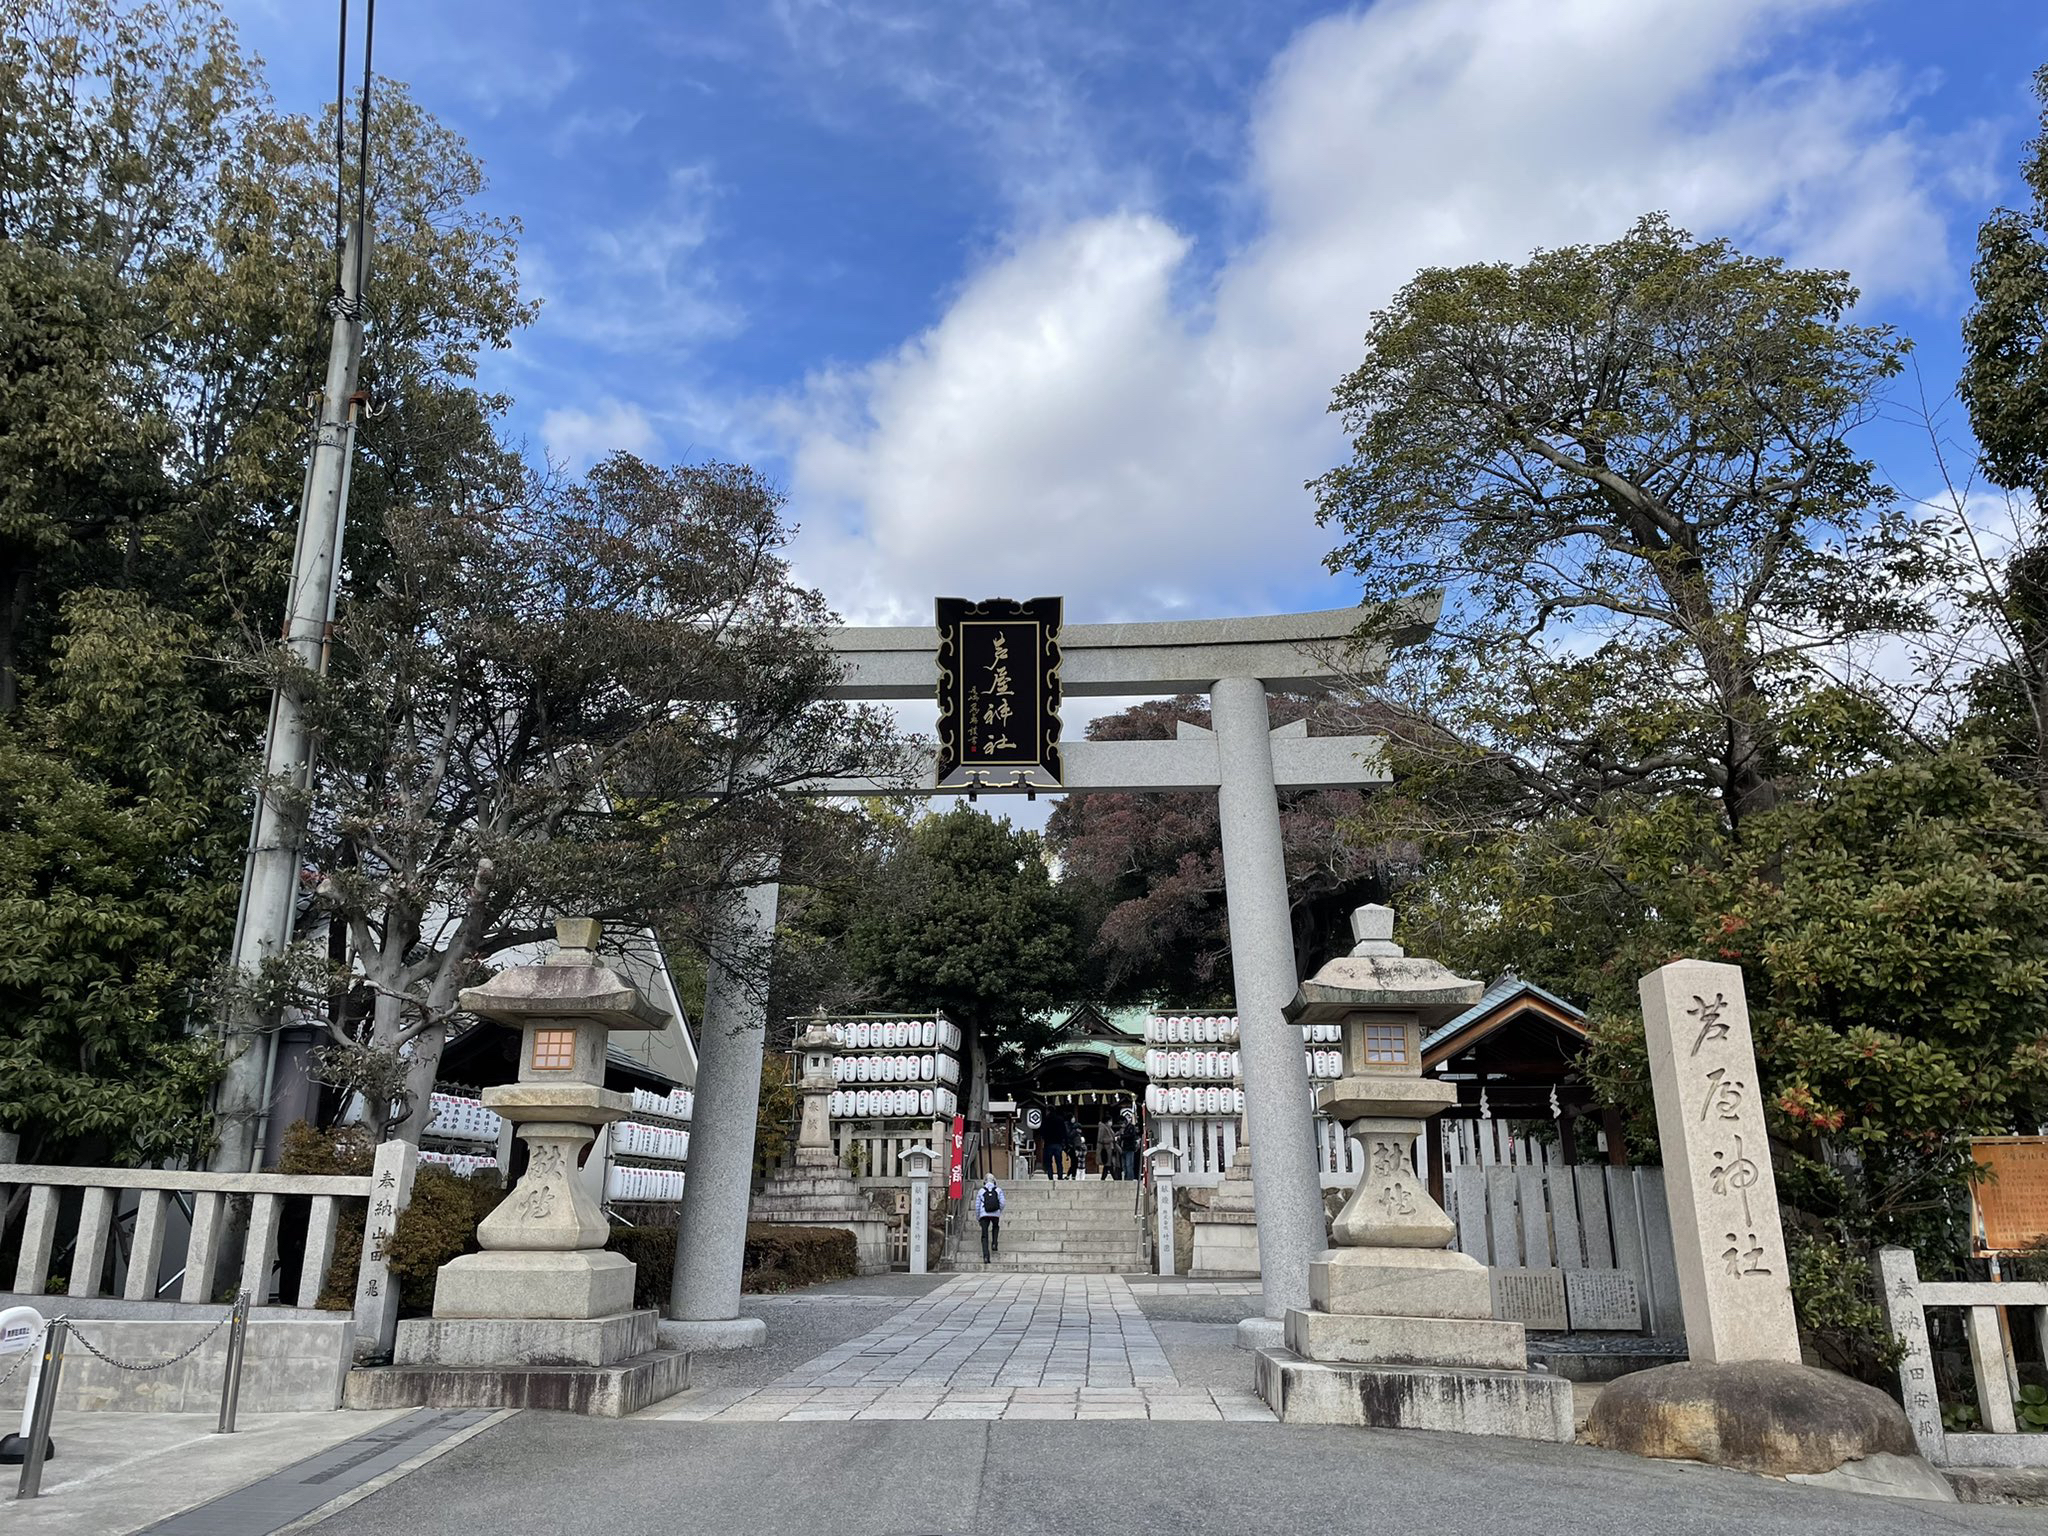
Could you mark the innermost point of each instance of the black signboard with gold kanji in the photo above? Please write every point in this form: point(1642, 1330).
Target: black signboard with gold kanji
point(999, 691)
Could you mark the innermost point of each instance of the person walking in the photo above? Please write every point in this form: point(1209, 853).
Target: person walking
point(988, 1205)
point(1107, 1164)
point(1127, 1145)
point(1048, 1146)
point(1077, 1148)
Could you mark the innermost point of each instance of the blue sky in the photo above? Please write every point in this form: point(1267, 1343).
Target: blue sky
point(1020, 298)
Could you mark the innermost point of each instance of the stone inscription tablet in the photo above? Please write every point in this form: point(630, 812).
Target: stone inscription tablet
point(1532, 1297)
point(1602, 1298)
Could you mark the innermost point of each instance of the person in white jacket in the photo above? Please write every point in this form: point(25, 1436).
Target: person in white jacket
point(988, 1205)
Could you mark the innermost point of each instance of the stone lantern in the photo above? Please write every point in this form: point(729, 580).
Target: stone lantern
point(543, 1317)
point(543, 1247)
point(815, 1051)
point(1400, 1331)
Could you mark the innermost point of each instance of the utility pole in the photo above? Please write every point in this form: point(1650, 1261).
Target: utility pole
point(270, 870)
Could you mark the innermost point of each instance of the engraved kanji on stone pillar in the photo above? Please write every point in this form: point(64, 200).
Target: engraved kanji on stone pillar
point(1732, 1274)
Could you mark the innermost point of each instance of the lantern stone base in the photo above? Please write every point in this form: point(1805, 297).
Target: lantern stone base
point(1472, 1402)
point(605, 1367)
point(525, 1340)
point(521, 1284)
point(819, 1192)
point(1460, 1343)
point(598, 1391)
point(1400, 1282)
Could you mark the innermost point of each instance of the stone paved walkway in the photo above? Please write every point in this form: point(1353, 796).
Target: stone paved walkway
point(986, 1347)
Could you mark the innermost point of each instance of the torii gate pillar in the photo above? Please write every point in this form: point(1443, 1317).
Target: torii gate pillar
point(1288, 1196)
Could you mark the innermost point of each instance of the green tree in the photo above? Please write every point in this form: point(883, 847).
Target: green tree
point(120, 796)
point(167, 252)
point(1147, 870)
point(2004, 381)
point(1894, 945)
point(594, 703)
point(2000, 584)
point(1638, 451)
point(966, 918)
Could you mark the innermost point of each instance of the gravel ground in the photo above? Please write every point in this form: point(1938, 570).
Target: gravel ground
point(804, 1324)
point(1205, 1354)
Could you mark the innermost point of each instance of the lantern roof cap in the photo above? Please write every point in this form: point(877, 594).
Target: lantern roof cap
point(571, 986)
point(1378, 973)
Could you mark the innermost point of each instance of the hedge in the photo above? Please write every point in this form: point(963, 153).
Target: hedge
point(438, 1224)
point(781, 1258)
point(778, 1258)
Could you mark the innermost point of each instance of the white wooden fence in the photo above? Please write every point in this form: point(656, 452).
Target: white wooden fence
point(878, 1145)
point(1586, 1217)
point(155, 1200)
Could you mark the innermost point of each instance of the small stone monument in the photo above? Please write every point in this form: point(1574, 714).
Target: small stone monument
point(1227, 1229)
point(1400, 1330)
point(1743, 1399)
point(817, 1191)
point(543, 1317)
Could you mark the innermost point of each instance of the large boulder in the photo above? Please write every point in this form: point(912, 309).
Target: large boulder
point(1757, 1415)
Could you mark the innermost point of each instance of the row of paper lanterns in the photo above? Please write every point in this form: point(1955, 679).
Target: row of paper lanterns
point(1225, 1064)
point(895, 1034)
point(1222, 1030)
point(650, 1184)
point(1193, 1101)
point(463, 1163)
point(887, 1103)
point(1218, 1029)
point(455, 1118)
point(1229, 1065)
point(663, 1143)
point(676, 1104)
point(895, 1069)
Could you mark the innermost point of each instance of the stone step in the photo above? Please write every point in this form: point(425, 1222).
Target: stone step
point(1021, 1243)
point(1007, 1265)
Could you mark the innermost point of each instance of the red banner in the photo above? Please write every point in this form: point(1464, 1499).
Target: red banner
point(959, 1152)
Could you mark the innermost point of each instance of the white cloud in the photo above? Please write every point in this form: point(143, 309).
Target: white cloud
point(1092, 417)
point(579, 128)
point(577, 437)
point(642, 286)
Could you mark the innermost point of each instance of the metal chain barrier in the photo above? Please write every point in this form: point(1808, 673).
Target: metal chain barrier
point(152, 1365)
point(38, 1411)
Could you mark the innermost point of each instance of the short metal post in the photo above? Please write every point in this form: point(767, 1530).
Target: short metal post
point(231, 1384)
point(48, 1369)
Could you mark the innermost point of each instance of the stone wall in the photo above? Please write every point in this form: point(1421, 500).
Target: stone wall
point(292, 1362)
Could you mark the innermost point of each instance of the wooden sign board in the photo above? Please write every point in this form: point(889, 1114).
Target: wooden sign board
point(999, 692)
point(2011, 1201)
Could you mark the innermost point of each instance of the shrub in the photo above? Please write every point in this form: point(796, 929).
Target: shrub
point(438, 1223)
point(780, 1258)
point(653, 1252)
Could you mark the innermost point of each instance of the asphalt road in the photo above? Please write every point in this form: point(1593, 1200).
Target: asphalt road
point(541, 1472)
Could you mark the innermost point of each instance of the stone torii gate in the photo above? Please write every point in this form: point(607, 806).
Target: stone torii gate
point(1241, 757)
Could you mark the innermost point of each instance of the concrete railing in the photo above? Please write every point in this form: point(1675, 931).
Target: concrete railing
point(1906, 1299)
point(151, 1196)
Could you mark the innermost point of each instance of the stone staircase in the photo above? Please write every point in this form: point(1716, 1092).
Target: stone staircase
point(1063, 1226)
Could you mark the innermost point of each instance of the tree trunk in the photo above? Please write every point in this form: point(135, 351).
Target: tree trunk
point(11, 621)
